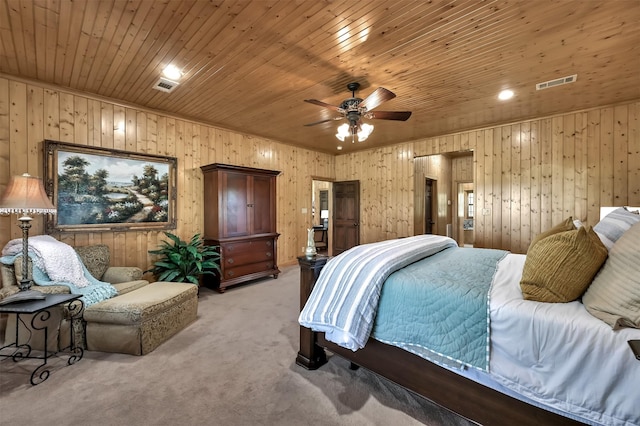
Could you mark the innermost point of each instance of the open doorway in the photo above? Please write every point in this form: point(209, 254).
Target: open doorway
point(336, 228)
point(465, 208)
point(321, 213)
point(436, 182)
point(429, 205)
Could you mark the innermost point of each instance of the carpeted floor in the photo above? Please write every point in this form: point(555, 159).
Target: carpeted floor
point(234, 366)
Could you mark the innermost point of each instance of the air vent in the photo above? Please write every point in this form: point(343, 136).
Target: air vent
point(557, 82)
point(165, 85)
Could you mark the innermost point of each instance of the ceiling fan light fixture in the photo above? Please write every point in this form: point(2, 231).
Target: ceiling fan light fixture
point(364, 132)
point(343, 132)
point(355, 109)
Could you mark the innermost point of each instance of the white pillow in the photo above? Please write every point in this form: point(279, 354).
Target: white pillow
point(614, 294)
point(613, 225)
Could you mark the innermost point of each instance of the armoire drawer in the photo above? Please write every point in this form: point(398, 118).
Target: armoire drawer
point(230, 273)
point(242, 246)
point(242, 253)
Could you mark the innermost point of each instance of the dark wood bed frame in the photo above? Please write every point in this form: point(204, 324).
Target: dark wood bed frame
point(463, 396)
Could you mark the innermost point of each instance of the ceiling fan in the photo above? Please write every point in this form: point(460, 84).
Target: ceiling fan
point(354, 109)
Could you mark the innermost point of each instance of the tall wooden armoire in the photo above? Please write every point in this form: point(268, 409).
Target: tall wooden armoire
point(240, 217)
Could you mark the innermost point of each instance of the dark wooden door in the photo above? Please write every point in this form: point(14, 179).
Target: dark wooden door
point(346, 216)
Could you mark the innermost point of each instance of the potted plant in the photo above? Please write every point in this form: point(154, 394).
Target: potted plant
point(183, 261)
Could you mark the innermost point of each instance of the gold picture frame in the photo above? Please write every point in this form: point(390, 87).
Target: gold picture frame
point(100, 189)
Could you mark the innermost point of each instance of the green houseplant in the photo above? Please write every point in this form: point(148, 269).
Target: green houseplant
point(183, 261)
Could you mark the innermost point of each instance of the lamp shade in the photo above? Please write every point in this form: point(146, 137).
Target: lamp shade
point(364, 131)
point(343, 132)
point(25, 194)
point(354, 129)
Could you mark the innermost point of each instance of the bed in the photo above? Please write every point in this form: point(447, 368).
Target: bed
point(545, 363)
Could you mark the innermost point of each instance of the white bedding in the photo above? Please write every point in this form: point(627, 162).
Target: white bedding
point(559, 355)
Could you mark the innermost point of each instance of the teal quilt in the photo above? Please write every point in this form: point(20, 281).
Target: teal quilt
point(438, 307)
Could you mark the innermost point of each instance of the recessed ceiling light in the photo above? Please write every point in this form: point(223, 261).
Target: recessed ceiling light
point(339, 147)
point(172, 72)
point(505, 94)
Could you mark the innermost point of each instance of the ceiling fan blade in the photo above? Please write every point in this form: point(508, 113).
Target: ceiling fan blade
point(324, 104)
point(324, 121)
point(389, 115)
point(376, 98)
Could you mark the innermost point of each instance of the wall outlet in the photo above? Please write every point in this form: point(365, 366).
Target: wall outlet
point(304, 210)
point(486, 212)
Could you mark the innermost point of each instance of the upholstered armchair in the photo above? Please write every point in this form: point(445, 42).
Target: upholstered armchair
point(96, 259)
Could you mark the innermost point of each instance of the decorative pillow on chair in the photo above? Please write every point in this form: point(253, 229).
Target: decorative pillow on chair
point(566, 225)
point(8, 276)
point(559, 268)
point(95, 258)
point(49, 289)
point(614, 295)
point(613, 225)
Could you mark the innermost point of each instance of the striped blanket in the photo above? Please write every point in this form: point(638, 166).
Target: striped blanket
point(345, 297)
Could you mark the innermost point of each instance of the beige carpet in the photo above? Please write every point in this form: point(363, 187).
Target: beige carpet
point(234, 366)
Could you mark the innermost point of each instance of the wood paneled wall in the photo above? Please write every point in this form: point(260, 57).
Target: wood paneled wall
point(462, 168)
point(530, 175)
point(386, 190)
point(30, 113)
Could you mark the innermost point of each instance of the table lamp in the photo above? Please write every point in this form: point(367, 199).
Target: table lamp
point(324, 216)
point(25, 195)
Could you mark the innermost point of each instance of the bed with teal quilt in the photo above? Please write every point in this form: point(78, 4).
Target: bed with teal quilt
point(462, 310)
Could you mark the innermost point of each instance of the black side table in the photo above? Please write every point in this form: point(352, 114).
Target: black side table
point(40, 311)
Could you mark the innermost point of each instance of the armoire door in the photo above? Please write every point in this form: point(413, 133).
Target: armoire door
point(262, 205)
point(235, 202)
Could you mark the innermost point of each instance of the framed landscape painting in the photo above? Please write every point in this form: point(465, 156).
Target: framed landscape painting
point(100, 189)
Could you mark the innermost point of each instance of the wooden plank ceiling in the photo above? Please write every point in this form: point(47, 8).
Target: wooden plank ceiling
point(248, 65)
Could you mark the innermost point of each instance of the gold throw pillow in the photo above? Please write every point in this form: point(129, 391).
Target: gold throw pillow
point(560, 267)
point(566, 225)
